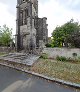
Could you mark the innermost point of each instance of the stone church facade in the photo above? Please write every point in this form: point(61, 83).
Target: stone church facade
point(31, 31)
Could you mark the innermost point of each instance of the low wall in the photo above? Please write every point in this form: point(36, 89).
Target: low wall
point(5, 49)
point(67, 52)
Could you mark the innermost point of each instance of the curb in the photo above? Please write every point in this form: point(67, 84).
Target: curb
point(45, 77)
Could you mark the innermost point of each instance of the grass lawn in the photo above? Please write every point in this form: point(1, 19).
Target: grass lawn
point(2, 54)
point(67, 71)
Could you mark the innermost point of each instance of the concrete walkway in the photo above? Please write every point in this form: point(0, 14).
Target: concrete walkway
point(12, 80)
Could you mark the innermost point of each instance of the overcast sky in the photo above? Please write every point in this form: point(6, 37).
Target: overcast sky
point(57, 11)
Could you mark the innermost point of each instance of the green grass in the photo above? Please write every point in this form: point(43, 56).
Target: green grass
point(44, 56)
point(68, 71)
point(63, 70)
point(2, 54)
point(61, 58)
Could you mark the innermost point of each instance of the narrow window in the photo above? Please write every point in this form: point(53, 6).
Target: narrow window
point(21, 18)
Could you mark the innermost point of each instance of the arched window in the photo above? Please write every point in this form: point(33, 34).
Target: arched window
point(21, 17)
point(23, 1)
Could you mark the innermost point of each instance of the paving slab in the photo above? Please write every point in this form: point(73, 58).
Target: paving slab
point(28, 59)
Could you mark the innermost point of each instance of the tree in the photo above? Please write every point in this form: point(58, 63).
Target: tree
point(5, 35)
point(74, 39)
point(63, 34)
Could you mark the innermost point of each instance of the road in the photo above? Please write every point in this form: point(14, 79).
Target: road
point(12, 80)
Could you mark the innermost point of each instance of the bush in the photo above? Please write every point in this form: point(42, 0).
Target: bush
point(61, 58)
point(78, 59)
point(44, 56)
point(74, 54)
point(48, 45)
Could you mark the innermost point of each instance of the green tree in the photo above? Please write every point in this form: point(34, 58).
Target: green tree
point(63, 34)
point(5, 35)
point(74, 39)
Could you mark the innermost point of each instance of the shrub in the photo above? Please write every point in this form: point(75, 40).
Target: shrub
point(48, 45)
point(69, 59)
point(78, 59)
point(74, 54)
point(75, 57)
point(44, 56)
point(61, 58)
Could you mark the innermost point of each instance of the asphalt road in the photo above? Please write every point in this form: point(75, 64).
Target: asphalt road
point(12, 80)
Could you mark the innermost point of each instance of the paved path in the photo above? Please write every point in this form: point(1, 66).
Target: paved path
point(28, 59)
point(12, 80)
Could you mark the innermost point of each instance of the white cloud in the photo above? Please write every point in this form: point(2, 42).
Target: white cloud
point(56, 11)
point(6, 17)
point(73, 2)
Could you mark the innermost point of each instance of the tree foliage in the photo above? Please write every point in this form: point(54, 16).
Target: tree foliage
point(67, 34)
point(5, 35)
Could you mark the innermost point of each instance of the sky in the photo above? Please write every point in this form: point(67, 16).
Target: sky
point(57, 12)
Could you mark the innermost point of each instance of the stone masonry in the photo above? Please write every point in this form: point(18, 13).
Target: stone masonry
point(31, 30)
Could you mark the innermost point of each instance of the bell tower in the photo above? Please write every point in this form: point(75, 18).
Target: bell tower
point(27, 11)
point(31, 31)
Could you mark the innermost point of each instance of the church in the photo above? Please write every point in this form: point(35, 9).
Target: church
point(31, 31)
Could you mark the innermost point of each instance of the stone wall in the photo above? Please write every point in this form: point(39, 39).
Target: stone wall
point(42, 31)
point(5, 49)
point(54, 52)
